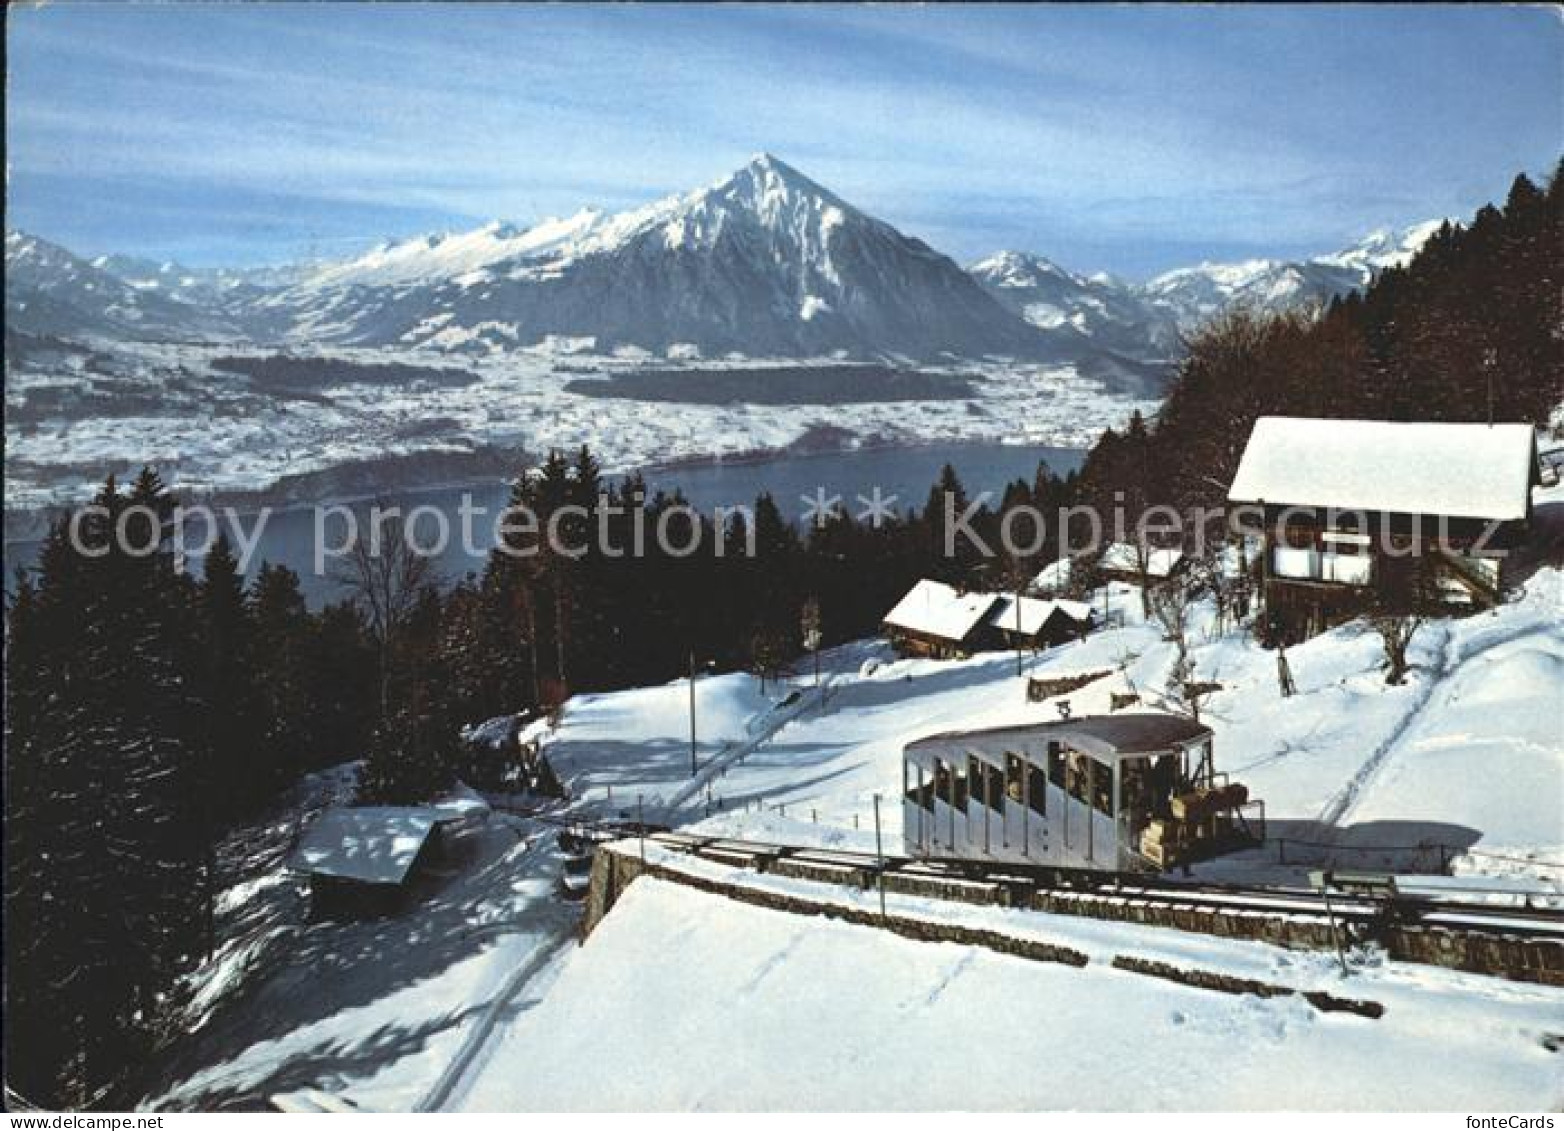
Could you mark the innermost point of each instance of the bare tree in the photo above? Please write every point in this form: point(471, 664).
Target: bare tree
point(1171, 605)
point(1396, 633)
point(384, 573)
point(1170, 608)
point(1406, 594)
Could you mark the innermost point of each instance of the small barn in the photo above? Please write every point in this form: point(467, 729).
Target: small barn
point(366, 859)
point(1029, 622)
point(1348, 508)
point(362, 859)
point(940, 621)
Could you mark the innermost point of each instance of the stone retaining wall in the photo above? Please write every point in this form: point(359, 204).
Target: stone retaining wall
point(1506, 956)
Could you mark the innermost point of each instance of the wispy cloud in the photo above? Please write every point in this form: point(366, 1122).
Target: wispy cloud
point(1106, 131)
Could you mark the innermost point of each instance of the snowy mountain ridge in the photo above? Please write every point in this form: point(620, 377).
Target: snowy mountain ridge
point(1147, 319)
point(764, 262)
point(49, 290)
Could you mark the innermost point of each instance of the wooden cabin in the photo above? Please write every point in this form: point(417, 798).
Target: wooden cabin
point(1029, 622)
point(1134, 791)
point(1349, 508)
point(940, 621)
point(366, 860)
point(360, 861)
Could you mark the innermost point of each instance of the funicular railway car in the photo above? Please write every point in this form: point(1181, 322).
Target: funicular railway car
point(1128, 792)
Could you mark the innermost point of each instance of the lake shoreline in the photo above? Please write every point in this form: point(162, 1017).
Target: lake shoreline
point(246, 505)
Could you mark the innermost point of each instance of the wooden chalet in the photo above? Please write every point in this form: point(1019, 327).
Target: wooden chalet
point(1350, 510)
point(940, 621)
point(1030, 622)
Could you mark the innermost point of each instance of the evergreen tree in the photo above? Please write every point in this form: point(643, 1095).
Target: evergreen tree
point(238, 780)
point(108, 839)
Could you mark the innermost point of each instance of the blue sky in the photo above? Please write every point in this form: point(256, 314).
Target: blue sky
point(1117, 138)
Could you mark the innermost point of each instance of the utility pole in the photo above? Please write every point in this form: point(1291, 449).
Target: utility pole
point(879, 855)
point(1490, 361)
point(1019, 654)
point(693, 765)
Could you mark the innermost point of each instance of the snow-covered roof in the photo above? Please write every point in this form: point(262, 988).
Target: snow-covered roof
point(1460, 470)
point(1035, 613)
point(1121, 557)
point(1054, 575)
point(461, 803)
point(1075, 610)
point(936, 609)
point(372, 844)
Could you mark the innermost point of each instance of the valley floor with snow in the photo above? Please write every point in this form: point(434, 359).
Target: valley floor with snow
point(75, 414)
point(481, 997)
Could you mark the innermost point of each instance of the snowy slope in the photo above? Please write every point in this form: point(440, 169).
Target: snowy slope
point(685, 1001)
point(1320, 759)
point(693, 1001)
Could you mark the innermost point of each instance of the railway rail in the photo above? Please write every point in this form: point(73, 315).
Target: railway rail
point(1359, 914)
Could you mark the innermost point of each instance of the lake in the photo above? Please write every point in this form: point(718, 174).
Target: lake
point(903, 476)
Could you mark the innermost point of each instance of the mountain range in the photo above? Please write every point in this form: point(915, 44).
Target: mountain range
point(765, 263)
point(1148, 320)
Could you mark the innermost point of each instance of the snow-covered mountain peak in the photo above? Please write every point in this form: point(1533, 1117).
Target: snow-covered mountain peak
point(765, 180)
point(1383, 248)
point(765, 193)
point(1019, 269)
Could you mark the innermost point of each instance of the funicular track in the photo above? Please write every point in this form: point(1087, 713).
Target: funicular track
point(1018, 885)
point(1508, 934)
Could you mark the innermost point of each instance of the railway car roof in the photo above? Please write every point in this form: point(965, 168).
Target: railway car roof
point(1106, 736)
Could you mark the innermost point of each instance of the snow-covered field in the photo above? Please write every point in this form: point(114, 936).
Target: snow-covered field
point(210, 430)
point(682, 1000)
point(686, 1001)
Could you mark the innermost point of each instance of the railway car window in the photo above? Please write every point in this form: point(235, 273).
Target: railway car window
point(1162, 782)
point(1134, 794)
point(1014, 782)
point(984, 785)
point(993, 787)
point(1038, 790)
point(1102, 788)
point(1075, 775)
point(1056, 772)
point(961, 789)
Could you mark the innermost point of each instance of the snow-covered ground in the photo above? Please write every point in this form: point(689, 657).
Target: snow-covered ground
point(683, 1000)
point(210, 430)
point(686, 1001)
